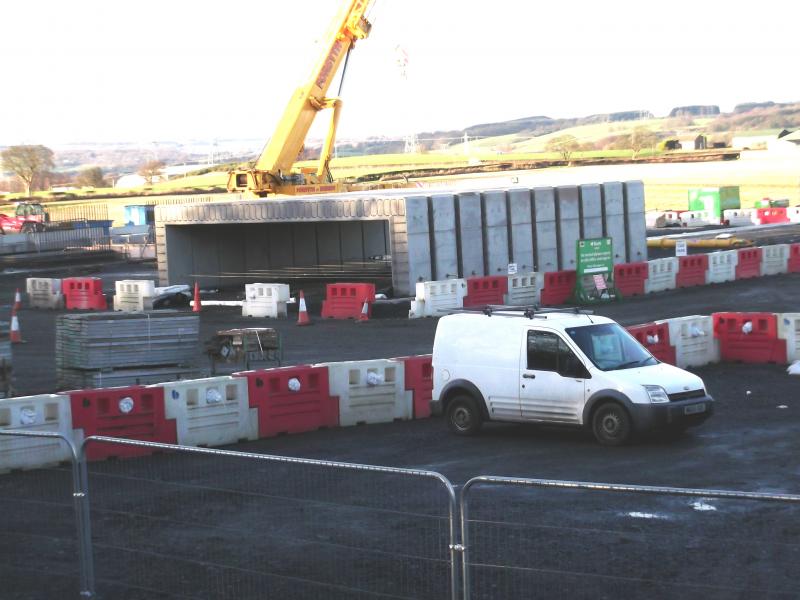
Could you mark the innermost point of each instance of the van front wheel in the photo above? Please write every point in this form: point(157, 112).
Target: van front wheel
point(611, 424)
point(463, 415)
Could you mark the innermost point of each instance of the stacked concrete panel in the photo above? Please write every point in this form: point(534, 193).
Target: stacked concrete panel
point(428, 236)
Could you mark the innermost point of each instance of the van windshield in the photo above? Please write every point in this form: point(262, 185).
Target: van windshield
point(610, 347)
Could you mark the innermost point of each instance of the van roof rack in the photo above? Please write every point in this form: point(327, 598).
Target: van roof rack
point(529, 312)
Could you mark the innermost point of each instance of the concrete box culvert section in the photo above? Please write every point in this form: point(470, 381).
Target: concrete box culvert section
point(435, 236)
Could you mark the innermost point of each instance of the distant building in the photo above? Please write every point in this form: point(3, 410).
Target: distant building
point(672, 145)
point(700, 142)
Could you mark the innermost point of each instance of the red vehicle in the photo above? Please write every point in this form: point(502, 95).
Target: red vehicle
point(29, 217)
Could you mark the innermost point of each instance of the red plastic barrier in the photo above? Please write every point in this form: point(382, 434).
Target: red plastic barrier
point(419, 380)
point(83, 293)
point(767, 216)
point(135, 413)
point(692, 270)
point(655, 337)
point(346, 300)
point(794, 258)
point(749, 264)
point(629, 278)
point(558, 287)
point(486, 290)
point(291, 399)
point(759, 345)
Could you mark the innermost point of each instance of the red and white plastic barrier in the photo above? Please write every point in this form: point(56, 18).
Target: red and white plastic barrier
point(630, 279)
point(44, 293)
point(749, 337)
point(346, 300)
point(46, 412)
point(774, 259)
point(265, 300)
point(133, 295)
point(437, 298)
point(486, 290)
point(693, 339)
point(419, 381)
point(661, 275)
point(692, 270)
point(722, 266)
point(524, 289)
point(558, 287)
point(83, 293)
point(655, 337)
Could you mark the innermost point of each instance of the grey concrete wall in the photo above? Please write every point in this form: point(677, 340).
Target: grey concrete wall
point(522, 241)
point(568, 222)
point(591, 208)
point(470, 228)
point(635, 226)
point(444, 243)
point(495, 227)
point(544, 204)
point(419, 247)
point(614, 219)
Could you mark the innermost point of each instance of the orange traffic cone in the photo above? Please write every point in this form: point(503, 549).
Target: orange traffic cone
point(16, 335)
point(302, 313)
point(197, 305)
point(364, 316)
point(17, 300)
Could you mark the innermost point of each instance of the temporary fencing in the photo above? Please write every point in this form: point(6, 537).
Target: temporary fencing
point(558, 287)
point(44, 293)
point(210, 412)
point(722, 266)
point(482, 291)
point(749, 337)
point(438, 298)
point(291, 399)
point(540, 538)
point(265, 300)
point(370, 391)
point(132, 295)
point(213, 524)
point(655, 337)
point(346, 300)
point(83, 293)
point(692, 270)
point(524, 289)
point(748, 263)
point(774, 259)
point(661, 275)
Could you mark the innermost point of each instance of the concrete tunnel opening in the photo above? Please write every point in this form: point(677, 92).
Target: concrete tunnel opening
point(227, 256)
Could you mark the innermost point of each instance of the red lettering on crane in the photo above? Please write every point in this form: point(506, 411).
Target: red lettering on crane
point(330, 60)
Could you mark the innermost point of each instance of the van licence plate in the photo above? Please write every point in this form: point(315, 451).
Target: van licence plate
point(694, 409)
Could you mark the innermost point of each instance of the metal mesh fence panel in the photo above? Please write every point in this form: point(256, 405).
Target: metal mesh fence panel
point(199, 523)
point(566, 541)
point(39, 551)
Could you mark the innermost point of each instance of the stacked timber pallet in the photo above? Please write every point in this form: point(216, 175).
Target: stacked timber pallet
point(113, 349)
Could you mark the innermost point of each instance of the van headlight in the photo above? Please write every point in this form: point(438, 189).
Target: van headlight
point(656, 393)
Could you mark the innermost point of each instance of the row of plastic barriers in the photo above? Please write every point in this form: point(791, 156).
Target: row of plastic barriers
point(699, 340)
point(72, 293)
point(217, 411)
point(737, 217)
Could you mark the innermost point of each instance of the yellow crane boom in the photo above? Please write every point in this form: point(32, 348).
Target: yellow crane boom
point(272, 173)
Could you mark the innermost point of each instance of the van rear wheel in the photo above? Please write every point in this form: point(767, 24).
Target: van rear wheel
point(463, 415)
point(611, 424)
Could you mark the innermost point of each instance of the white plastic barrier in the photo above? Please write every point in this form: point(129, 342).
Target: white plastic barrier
point(134, 295)
point(661, 274)
point(789, 330)
point(370, 391)
point(438, 298)
point(774, 259)
point(265, 300)
point(722, 266)
point(211, 412)
point(693, 339)
point(793, 213)
point(698, 218)
point(44, 293)
point(47, 412)
point(525, 289)
point(672, 218)
point(739, 217)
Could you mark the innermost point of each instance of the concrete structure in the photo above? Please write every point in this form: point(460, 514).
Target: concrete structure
point(429, 237)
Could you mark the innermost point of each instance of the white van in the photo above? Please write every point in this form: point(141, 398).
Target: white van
point(562, 367)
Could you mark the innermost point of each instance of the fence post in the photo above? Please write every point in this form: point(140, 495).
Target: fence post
point(83, 521)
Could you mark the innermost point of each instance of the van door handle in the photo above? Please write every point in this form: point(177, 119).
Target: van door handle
point(529, 376)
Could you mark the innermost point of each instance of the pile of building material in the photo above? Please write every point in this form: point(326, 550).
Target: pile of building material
point(111, 349)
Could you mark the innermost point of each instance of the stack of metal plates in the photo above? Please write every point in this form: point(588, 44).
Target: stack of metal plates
point(125, 348)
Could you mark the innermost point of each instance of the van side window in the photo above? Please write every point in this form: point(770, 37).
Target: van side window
point(542, 351)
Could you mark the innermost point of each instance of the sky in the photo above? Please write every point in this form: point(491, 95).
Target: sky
point(167, 70)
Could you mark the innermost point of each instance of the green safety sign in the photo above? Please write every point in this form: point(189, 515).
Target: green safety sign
point(595, 256)
point(594, 271)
